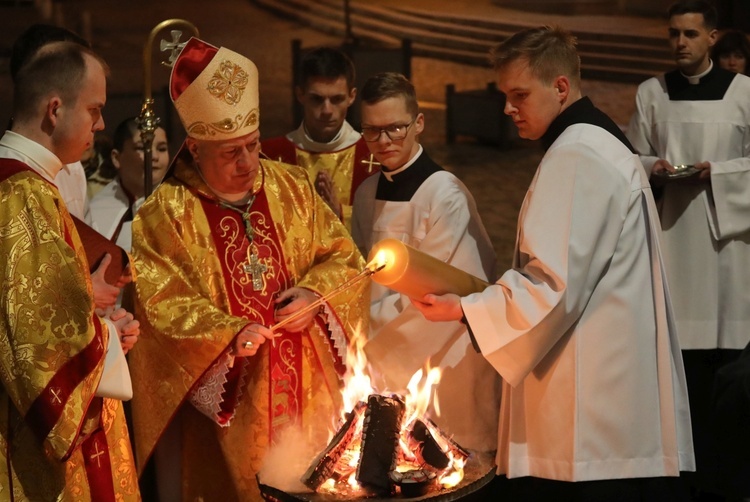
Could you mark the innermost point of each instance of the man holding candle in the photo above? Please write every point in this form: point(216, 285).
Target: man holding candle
point(581, 328)
point(225, 248)
point(415, 201)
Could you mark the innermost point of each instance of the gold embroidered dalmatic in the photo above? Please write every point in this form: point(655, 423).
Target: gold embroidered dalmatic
point(347, 167)
point(57, 440)
point(195, 292)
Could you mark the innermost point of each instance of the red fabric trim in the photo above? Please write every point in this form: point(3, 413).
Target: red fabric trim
point(285, 398)
point(47, 408)
point(98, 466)
point(361, 170)
point(193, 59)
point(279, 149)
point(11, 167)
point(285, 358)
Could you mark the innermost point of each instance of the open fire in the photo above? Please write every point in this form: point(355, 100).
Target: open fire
point(384, 443)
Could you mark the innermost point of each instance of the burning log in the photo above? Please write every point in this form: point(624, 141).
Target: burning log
point(377, 450)
point(458, 450)
point(425, 448)
point(323, 467)
point(380, 434)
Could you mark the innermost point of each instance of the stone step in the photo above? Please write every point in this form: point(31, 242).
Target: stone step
point(467, 39)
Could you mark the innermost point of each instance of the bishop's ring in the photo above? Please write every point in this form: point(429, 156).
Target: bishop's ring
point(248, 344)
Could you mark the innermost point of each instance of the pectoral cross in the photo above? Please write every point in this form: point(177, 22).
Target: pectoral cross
point(255, 268)
point(175, 46)
point(370, 163)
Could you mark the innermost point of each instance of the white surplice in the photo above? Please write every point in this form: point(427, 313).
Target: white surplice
point(108, 208)
point(441, 220)
point(706, 227)
point(71, 182)
point(581, 329)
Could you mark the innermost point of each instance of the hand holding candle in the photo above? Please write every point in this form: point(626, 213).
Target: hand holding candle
point(415, 274)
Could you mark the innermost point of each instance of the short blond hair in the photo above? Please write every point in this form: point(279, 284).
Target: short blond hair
point(549, 50)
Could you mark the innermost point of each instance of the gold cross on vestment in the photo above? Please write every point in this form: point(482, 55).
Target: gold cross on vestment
point(255, 268)
point(370, 163)
point(96, 455)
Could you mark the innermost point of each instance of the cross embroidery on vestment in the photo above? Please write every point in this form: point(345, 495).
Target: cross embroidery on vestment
point(371, 162)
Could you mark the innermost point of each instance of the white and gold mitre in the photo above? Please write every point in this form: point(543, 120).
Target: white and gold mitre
point(215, 92)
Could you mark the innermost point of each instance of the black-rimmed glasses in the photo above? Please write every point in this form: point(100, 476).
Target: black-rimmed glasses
point(395, 132)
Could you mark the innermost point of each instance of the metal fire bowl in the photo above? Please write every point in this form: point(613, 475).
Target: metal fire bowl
point(479, 471)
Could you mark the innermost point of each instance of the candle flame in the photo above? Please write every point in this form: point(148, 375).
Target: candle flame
point(381, 260)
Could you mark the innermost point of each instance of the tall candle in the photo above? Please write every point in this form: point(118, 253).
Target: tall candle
point(415, 274)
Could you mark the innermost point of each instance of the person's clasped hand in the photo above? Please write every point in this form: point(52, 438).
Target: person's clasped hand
point(327, 191)
point(128, 329)
point(292, 300)
point(105, 294)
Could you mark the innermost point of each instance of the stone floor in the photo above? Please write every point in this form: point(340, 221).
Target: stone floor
point(497, 178)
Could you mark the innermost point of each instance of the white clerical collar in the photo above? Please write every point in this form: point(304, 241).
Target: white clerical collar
point(345, 138)
point(33, 154)
point(389, 174)
point(696, 79)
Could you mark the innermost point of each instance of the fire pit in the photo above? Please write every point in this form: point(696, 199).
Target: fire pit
point(384, 447)
point(478, 472)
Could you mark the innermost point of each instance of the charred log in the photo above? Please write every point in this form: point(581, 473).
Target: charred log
point(380, 434)
point(323, 467)
point(425, 448)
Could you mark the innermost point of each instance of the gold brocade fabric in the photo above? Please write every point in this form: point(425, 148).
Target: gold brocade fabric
point(51, 358)
point(340, 166)
point(183, 305)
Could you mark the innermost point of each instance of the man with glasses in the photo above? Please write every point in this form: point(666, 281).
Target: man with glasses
point(415, 201)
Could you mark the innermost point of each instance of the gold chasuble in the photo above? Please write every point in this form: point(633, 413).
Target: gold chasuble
point(58, 441)
point(200, 281)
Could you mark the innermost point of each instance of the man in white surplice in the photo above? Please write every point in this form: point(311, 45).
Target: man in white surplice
point(115, 205)
point(699, 114)
point(594, 403)
point(415, 201)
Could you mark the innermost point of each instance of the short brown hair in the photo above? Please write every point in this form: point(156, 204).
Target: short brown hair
point(58, 67)
point(549, 50)
point(702, 7)
point(326, 62)
point(390, 85)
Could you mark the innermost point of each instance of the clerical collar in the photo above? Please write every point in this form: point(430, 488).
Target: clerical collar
point(582, 111)
point(345, 138)
point(710, 85)
point(406, 183)
point(696, 79)
point(39, 158)
point(390, 174)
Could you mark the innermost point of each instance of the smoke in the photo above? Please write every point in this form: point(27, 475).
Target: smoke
point(287, 460)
